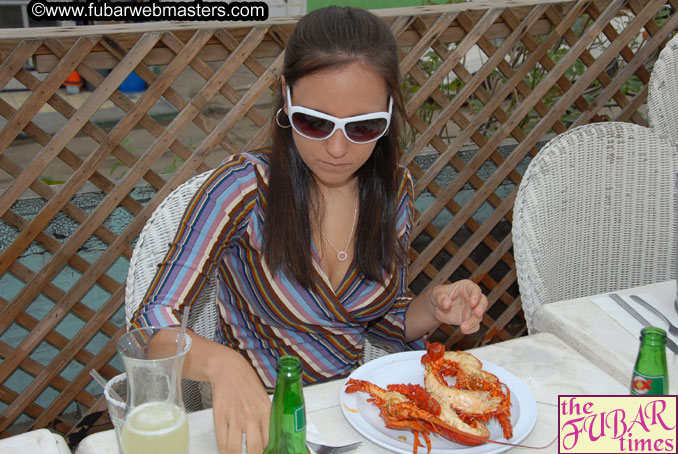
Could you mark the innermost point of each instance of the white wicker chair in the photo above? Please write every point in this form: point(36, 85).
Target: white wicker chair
point(662, 92)
point(595, 212)
point(150, 250)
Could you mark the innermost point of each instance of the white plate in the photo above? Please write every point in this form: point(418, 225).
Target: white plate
point(406, 367)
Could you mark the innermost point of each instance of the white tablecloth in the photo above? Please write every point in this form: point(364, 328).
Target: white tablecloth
point(547, 366)
point(604, 333)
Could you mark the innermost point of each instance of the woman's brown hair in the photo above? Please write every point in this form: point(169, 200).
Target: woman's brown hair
point(324, 39)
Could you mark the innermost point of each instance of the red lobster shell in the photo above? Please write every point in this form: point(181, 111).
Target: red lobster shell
point(416, 410)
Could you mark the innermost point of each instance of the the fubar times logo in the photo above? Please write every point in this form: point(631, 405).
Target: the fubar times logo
point(617, 424)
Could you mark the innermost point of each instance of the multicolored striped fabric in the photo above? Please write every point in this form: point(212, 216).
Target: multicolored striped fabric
point(265, 316)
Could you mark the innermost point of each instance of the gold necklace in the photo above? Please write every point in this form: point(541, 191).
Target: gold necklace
point(342, 255)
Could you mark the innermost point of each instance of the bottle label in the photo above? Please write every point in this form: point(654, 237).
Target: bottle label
point(299, 419)
point(647, 385)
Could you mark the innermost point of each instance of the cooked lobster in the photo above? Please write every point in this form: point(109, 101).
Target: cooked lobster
point(454, 412)
point(476, 393)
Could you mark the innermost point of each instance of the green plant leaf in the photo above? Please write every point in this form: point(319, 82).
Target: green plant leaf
point(51, 181)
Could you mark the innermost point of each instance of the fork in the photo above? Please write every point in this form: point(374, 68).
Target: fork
point(324, 449)
point(673, 329)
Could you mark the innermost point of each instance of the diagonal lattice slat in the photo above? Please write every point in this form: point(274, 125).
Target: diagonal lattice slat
point(73, 197)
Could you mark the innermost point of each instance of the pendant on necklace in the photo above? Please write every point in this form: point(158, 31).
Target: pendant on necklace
point(342, 256)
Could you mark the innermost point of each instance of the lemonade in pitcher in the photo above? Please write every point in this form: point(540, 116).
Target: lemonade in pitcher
point(155, 417)
point(155, 427)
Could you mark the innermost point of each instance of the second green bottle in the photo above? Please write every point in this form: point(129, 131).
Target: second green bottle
point(287, 429)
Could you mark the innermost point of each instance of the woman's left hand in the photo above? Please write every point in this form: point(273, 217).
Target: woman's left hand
point(461, 303)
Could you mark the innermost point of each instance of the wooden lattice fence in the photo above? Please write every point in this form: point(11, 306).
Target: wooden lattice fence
point(81, 174)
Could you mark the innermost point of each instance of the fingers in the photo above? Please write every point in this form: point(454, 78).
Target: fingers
point(241, 407)
point(481, 307)
point(228, 430)
point(474, 297)
point(257, 430)
point(473, 293)
point(264, 425)
point(233, 440)
point(222, 431)
point(471, 323)
point(441, 299)
point(472, 305)
point(461, 303)
point(231, 428)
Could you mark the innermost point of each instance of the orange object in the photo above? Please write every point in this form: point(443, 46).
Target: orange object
point(74, 80)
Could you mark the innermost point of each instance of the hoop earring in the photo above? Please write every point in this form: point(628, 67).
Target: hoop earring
point(277, 120)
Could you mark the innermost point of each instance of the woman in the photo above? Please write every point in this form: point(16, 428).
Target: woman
point(308, 241)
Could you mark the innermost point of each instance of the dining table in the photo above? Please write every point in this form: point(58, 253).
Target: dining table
point(607, 334)
point(544, 363)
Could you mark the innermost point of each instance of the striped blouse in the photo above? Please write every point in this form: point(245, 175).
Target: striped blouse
point(265, 315)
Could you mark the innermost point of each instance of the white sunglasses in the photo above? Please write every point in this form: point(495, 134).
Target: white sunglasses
point(316, 125)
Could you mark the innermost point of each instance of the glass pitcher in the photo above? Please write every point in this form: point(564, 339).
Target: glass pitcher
point(155, 417)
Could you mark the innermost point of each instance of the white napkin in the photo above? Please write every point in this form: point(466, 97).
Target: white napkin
point(313, 434)
point(629, 323)
point(36, 441)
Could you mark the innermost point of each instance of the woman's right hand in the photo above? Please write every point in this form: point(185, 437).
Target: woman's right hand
point(241, 405)
point(239, 400)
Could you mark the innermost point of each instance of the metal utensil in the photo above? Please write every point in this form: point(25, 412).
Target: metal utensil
point(627, 307)
point(673, 329)
point(324, 449)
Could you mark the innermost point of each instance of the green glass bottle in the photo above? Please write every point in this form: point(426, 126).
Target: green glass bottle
point(650, 374)
point(287, 430)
